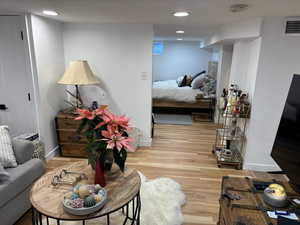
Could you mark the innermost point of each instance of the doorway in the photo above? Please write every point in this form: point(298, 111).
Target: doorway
point(17, 107)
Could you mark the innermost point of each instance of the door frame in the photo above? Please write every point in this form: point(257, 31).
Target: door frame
point(30, 64)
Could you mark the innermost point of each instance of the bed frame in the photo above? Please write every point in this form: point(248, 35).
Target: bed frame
point(202, 105)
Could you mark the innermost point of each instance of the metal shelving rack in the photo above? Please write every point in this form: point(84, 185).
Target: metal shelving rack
point(234, 136)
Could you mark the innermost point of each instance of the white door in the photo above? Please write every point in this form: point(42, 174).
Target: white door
point(16, 95)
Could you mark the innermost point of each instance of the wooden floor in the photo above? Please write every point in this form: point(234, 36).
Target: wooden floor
point(184, 154)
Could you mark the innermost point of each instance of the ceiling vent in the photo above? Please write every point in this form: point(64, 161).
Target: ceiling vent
point(292, 26)
point(238, 7)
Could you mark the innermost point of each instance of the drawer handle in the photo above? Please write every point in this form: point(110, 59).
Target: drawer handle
point(74, 138)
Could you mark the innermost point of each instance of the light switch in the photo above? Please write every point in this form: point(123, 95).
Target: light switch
point(144, 76)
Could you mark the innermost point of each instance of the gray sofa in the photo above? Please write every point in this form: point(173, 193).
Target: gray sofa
point(14, 193)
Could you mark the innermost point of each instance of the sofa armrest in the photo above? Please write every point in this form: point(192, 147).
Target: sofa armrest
point(23, 150)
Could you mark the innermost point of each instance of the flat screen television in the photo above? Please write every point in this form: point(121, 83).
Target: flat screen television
point(286, 148)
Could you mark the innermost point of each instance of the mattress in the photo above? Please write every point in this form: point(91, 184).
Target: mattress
point(169, 90)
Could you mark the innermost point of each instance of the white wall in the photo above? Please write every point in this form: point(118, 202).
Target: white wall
point(249, 29)
point(120, 55)
point(279, 60)
point(224, 67)
point(244, 64)
point(180, 58)
point(48, 58)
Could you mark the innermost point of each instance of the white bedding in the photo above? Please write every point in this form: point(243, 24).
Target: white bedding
point(169, 90)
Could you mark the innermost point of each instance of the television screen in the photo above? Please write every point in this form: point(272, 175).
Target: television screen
point(286, 148)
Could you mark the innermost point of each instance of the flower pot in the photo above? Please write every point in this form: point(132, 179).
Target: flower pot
point(109, 160)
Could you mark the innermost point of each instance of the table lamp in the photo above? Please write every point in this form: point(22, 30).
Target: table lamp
point(78, 73)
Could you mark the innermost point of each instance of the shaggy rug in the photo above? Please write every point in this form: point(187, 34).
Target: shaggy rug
point(161, 198)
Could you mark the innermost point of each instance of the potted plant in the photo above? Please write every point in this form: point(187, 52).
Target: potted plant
point(107, 138)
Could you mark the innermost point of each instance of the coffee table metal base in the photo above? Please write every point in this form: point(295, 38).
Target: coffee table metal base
point(39, 218)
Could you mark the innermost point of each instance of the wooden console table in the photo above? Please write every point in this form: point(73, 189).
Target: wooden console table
point(250, 209)
point(71, 143)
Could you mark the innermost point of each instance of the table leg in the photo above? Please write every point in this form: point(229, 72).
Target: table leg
point(125, 221)
point(33, 217)
point(107, 219)
point(139, 210)
point(40, 219)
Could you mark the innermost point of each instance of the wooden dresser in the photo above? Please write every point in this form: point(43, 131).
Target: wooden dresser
point(71, 144)
point(249, 210)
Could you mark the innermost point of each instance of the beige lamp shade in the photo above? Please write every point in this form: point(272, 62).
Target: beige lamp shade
point(78, 73)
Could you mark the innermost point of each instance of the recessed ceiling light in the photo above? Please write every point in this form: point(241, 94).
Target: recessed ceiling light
point(50, 13)
point(179, 39)
point(179, 31)
point(181, 14)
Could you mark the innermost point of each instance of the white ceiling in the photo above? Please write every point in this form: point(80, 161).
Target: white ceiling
point(206, 15)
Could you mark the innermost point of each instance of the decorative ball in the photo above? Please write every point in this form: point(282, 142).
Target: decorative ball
point(68, 195)
point(83, 191)
point(77, 203)
point(68, 202)
point(92, 189)
point(76, 188)
point(98, 198)
point(97, 188)
point(89, 201)
point(74, 196)
point(101, 192)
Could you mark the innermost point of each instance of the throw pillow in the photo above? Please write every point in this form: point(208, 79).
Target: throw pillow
point(198, 74)
point(7, 157)
point(4, 176)
point(183, 82)
point(189, 80)
point(198, 82)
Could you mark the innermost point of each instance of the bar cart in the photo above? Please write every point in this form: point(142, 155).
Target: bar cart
point(230, 136)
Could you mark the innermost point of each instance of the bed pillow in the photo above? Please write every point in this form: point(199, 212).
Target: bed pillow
point(198, 82)
point(7, 156)
point(181, 81)
point(198, 74)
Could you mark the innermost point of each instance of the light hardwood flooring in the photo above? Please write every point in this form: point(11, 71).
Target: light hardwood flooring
point(182, 153)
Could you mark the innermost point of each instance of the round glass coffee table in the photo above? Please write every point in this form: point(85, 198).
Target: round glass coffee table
point(123, 194)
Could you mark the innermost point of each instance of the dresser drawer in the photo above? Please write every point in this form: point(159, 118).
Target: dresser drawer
point(70, 136)
point(67, 123)
point(73, 150)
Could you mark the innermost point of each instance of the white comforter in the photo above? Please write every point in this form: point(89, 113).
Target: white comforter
point(169, 90)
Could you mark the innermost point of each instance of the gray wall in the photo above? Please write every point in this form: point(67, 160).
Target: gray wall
point(180, 58)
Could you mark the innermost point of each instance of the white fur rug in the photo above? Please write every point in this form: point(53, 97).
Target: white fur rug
point(161, 199)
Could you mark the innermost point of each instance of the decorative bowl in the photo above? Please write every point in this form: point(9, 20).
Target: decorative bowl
point(80, 211)
point(275, 196)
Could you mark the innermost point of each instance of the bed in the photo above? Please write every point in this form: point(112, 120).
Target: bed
point(167, 95)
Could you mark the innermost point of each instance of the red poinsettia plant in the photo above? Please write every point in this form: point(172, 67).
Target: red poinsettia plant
point(106, 134)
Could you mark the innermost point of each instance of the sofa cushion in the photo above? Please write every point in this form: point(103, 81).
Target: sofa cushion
point(21, 178)
point(7, 157)
point(4, 176)
point(23, 150)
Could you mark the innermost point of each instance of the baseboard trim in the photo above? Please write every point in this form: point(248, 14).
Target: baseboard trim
point(145, 142)
point(52, 153)
point(260, 167)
